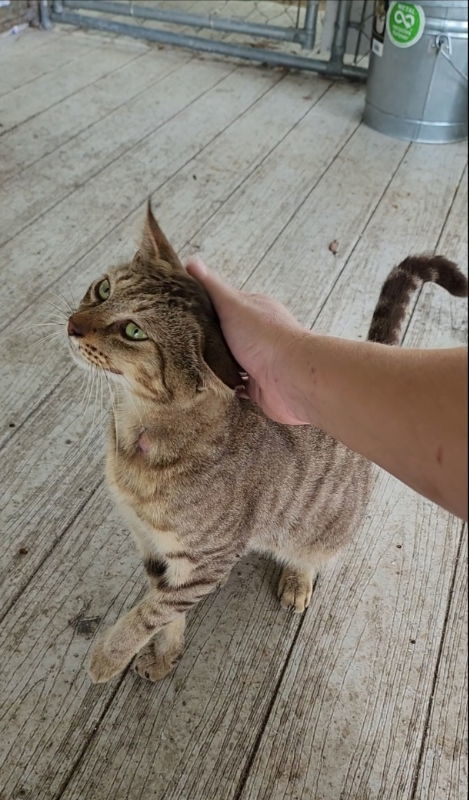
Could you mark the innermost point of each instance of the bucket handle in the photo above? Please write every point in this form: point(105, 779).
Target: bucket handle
point(443, 45)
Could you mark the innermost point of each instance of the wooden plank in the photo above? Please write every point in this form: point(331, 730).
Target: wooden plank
point(27, 67)
point(26, 101)
point(51, 710)
point(443, 771)
point(47, 131)
point(299, 261)
point(350, 713)
point(57, 240)
point(28, 40)
point(280, 184)
point(56, 176)
point(381, 248)
point(186, 201)
point(205, 185)
point(61, 441)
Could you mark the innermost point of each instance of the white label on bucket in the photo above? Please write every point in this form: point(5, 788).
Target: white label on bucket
point(405, 23)
point(377, 47)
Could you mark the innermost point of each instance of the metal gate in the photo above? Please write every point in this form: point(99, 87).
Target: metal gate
point(326, 36)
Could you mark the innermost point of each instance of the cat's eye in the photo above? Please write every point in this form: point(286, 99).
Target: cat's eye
point(132, 331)
point(103, 289)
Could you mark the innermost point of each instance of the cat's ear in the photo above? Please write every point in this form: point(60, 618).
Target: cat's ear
point(154, 244)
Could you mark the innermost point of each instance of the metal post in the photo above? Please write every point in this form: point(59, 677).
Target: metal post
point(359, 32)
point(311, 18)
point(340, 36)
point(44, 18)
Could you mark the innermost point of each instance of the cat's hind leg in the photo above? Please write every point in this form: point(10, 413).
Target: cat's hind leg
point(295, 587)
point(159, 657)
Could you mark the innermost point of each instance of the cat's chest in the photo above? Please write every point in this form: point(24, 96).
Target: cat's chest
point(152, 530)
point(145, 503)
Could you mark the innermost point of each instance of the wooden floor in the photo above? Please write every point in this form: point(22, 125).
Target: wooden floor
point(362, 698)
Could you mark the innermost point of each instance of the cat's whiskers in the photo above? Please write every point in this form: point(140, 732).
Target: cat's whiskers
point(98, 397)
point(30, 325)
point(94, 396)
point(83, 385)
point(61, 313)
point(56, 317)
point(64, 300)
point(87, 396)
point(103, 396)
point(75, 302)
point(113, 408)
point(100, 406)
point(47, 337)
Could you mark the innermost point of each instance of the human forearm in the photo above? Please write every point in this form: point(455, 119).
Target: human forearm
point(403, 409)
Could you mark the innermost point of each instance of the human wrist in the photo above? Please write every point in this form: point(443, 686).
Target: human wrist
point(293, 374)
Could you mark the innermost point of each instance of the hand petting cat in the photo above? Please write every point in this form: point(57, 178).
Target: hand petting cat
point(260, 333)
point(404, 409)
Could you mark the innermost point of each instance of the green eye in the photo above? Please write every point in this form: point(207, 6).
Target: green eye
point(133, 332)
point(103, 289)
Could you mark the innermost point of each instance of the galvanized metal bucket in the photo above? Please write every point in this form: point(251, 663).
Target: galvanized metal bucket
point(417, 82)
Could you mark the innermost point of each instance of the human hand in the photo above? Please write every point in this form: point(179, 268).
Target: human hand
point(262, 335)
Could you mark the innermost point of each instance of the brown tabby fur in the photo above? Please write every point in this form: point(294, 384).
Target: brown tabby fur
point(201, 476)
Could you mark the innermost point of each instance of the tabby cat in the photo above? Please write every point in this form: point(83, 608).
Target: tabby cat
point(200, 475)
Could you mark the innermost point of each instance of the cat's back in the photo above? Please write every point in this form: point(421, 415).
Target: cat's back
point(298, 476)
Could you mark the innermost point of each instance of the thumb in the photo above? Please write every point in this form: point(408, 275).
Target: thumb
point(220, 293)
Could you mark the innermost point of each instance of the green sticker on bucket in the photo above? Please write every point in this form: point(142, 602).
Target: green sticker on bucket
point(405, 24)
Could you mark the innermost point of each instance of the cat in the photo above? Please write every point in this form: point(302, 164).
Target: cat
point(199, 474)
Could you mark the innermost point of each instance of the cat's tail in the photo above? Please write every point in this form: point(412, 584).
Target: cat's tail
point(399, 286)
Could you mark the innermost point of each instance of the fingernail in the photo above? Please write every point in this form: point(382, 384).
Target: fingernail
point(240, 391)
point(197, 265)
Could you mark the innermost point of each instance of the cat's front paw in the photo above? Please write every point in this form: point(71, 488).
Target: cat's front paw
point(107, 660)
point(295, 589)
point(153, 665)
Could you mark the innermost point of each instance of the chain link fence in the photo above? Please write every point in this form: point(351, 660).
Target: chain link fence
point(328, 36)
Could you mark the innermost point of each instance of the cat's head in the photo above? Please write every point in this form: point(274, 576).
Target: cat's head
point(151, 326)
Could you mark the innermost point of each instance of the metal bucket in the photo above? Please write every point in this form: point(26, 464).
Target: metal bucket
point(417, 82)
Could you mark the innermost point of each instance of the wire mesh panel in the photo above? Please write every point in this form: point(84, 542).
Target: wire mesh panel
point(330, 36)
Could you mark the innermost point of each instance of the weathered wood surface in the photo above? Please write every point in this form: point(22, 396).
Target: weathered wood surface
point(443, 769)
point(275, 159)
point(45, 91)
point(50, 129)
point(351, 714)
point(223, 93)
point(23, 68)
point(27, 41)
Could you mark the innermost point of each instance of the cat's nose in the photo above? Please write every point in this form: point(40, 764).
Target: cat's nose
point(73, 328)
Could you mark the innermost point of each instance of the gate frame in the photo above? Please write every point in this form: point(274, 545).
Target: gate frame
point(334, 66)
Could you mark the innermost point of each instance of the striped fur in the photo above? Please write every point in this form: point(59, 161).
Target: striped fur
point(401, 284)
